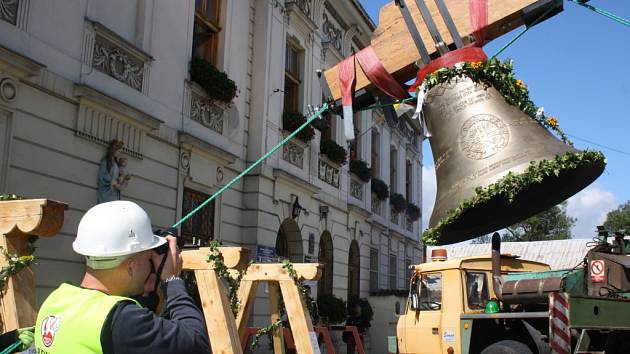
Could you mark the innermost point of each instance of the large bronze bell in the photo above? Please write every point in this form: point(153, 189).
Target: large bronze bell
point(476, 139)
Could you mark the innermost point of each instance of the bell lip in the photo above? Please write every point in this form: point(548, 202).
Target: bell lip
point(460, 230)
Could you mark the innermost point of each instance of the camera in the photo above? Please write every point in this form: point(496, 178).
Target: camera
point(171, 231)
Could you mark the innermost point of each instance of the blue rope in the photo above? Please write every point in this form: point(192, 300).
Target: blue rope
point(603, 12)
point(11, 348)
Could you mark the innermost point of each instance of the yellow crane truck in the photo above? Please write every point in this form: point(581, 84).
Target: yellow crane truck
point(502, 304)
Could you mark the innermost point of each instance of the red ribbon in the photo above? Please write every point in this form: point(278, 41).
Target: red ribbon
point(346, 76)
point(376, 73)
point(478, 23)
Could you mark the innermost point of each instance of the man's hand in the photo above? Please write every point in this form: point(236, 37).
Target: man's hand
point(173, 264)
point(26, 336)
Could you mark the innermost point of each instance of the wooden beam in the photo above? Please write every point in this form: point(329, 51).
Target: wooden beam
point(299, 319)
point(218, 314)
point(31, 217)
point(395, 47)
point(246, 296)
point(275, 271)
point(233, 257)
point(19, 220)
point(274, 303)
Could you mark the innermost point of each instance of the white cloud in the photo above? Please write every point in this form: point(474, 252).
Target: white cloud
point(590, 207)
point(429, 188)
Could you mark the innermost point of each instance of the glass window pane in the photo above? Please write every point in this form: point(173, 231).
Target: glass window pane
point(392, 272)
point(212, 10)
point(477, 290)
point(198, 229)
point(431, 292)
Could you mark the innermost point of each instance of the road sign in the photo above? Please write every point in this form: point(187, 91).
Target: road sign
point(598, 271)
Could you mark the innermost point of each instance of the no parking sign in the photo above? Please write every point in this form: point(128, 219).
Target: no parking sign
point(598, 271)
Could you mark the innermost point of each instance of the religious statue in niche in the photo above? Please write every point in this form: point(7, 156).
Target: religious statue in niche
point(112, 173)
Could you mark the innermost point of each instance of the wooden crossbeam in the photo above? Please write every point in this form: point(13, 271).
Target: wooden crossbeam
point(395, 47)
point(19, 220)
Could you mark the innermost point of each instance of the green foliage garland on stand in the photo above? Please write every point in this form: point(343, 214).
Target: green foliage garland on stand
point(15, 263)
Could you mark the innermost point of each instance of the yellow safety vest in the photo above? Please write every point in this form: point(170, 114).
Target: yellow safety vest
point(71, 320)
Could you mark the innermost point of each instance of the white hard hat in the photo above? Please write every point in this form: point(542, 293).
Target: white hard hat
point(110, 230)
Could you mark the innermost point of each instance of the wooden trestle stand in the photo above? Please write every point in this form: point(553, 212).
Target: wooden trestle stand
point(225, 332)
point(19, 220)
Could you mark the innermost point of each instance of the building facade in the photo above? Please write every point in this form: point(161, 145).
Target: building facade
point(76, 74)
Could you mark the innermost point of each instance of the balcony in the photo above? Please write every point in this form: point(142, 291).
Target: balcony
point(206, 112)
point(328, 172)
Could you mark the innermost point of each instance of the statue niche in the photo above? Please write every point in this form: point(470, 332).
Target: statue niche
point(112, 173)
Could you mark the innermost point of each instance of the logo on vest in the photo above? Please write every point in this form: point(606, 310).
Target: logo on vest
point(50, 326)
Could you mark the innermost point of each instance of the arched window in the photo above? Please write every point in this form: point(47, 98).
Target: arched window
point(289, 242)
point(354, 269)
point(325, 286)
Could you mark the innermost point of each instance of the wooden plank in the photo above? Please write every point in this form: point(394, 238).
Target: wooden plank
point(274, 301)
point(275, 271)
point(299, 318)
point(216, 309)
point(246, 297)
point(233, 257)
point(20, 219)
point(37, 217)
point(394, 45)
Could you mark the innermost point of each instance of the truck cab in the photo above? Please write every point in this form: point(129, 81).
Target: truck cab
point(447, 298)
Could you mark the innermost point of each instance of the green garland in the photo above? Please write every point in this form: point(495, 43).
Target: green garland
point(222, 271)
point(16, 263)
point(512, 184)
point(7, 197)
point(500, 75)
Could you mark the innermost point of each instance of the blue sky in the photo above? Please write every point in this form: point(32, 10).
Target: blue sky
point(577, 66)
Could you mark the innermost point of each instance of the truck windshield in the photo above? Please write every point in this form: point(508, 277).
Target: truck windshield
point(477, 289)
point(431, 292)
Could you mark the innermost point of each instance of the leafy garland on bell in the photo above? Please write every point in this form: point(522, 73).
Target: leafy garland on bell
point(235, 282)
point(15, 263)
point(500, 75)
point(512, 184)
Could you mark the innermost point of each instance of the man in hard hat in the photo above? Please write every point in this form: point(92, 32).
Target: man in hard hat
point(100, 316)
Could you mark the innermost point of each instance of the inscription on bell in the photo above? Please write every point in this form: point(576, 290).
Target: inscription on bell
point(482, 136)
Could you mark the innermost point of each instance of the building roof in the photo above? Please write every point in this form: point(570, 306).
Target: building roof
point(558, 254)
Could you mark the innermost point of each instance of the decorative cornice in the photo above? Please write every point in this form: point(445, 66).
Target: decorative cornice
point(190, 141)
point(147, 121)
point(295, 181)
point(18, 64)
point(336, 16)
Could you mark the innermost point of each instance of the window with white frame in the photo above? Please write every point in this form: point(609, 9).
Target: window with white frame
point(374, 269)
point(393, 272)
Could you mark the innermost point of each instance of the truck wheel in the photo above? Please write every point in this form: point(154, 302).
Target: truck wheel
point(507, 347)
